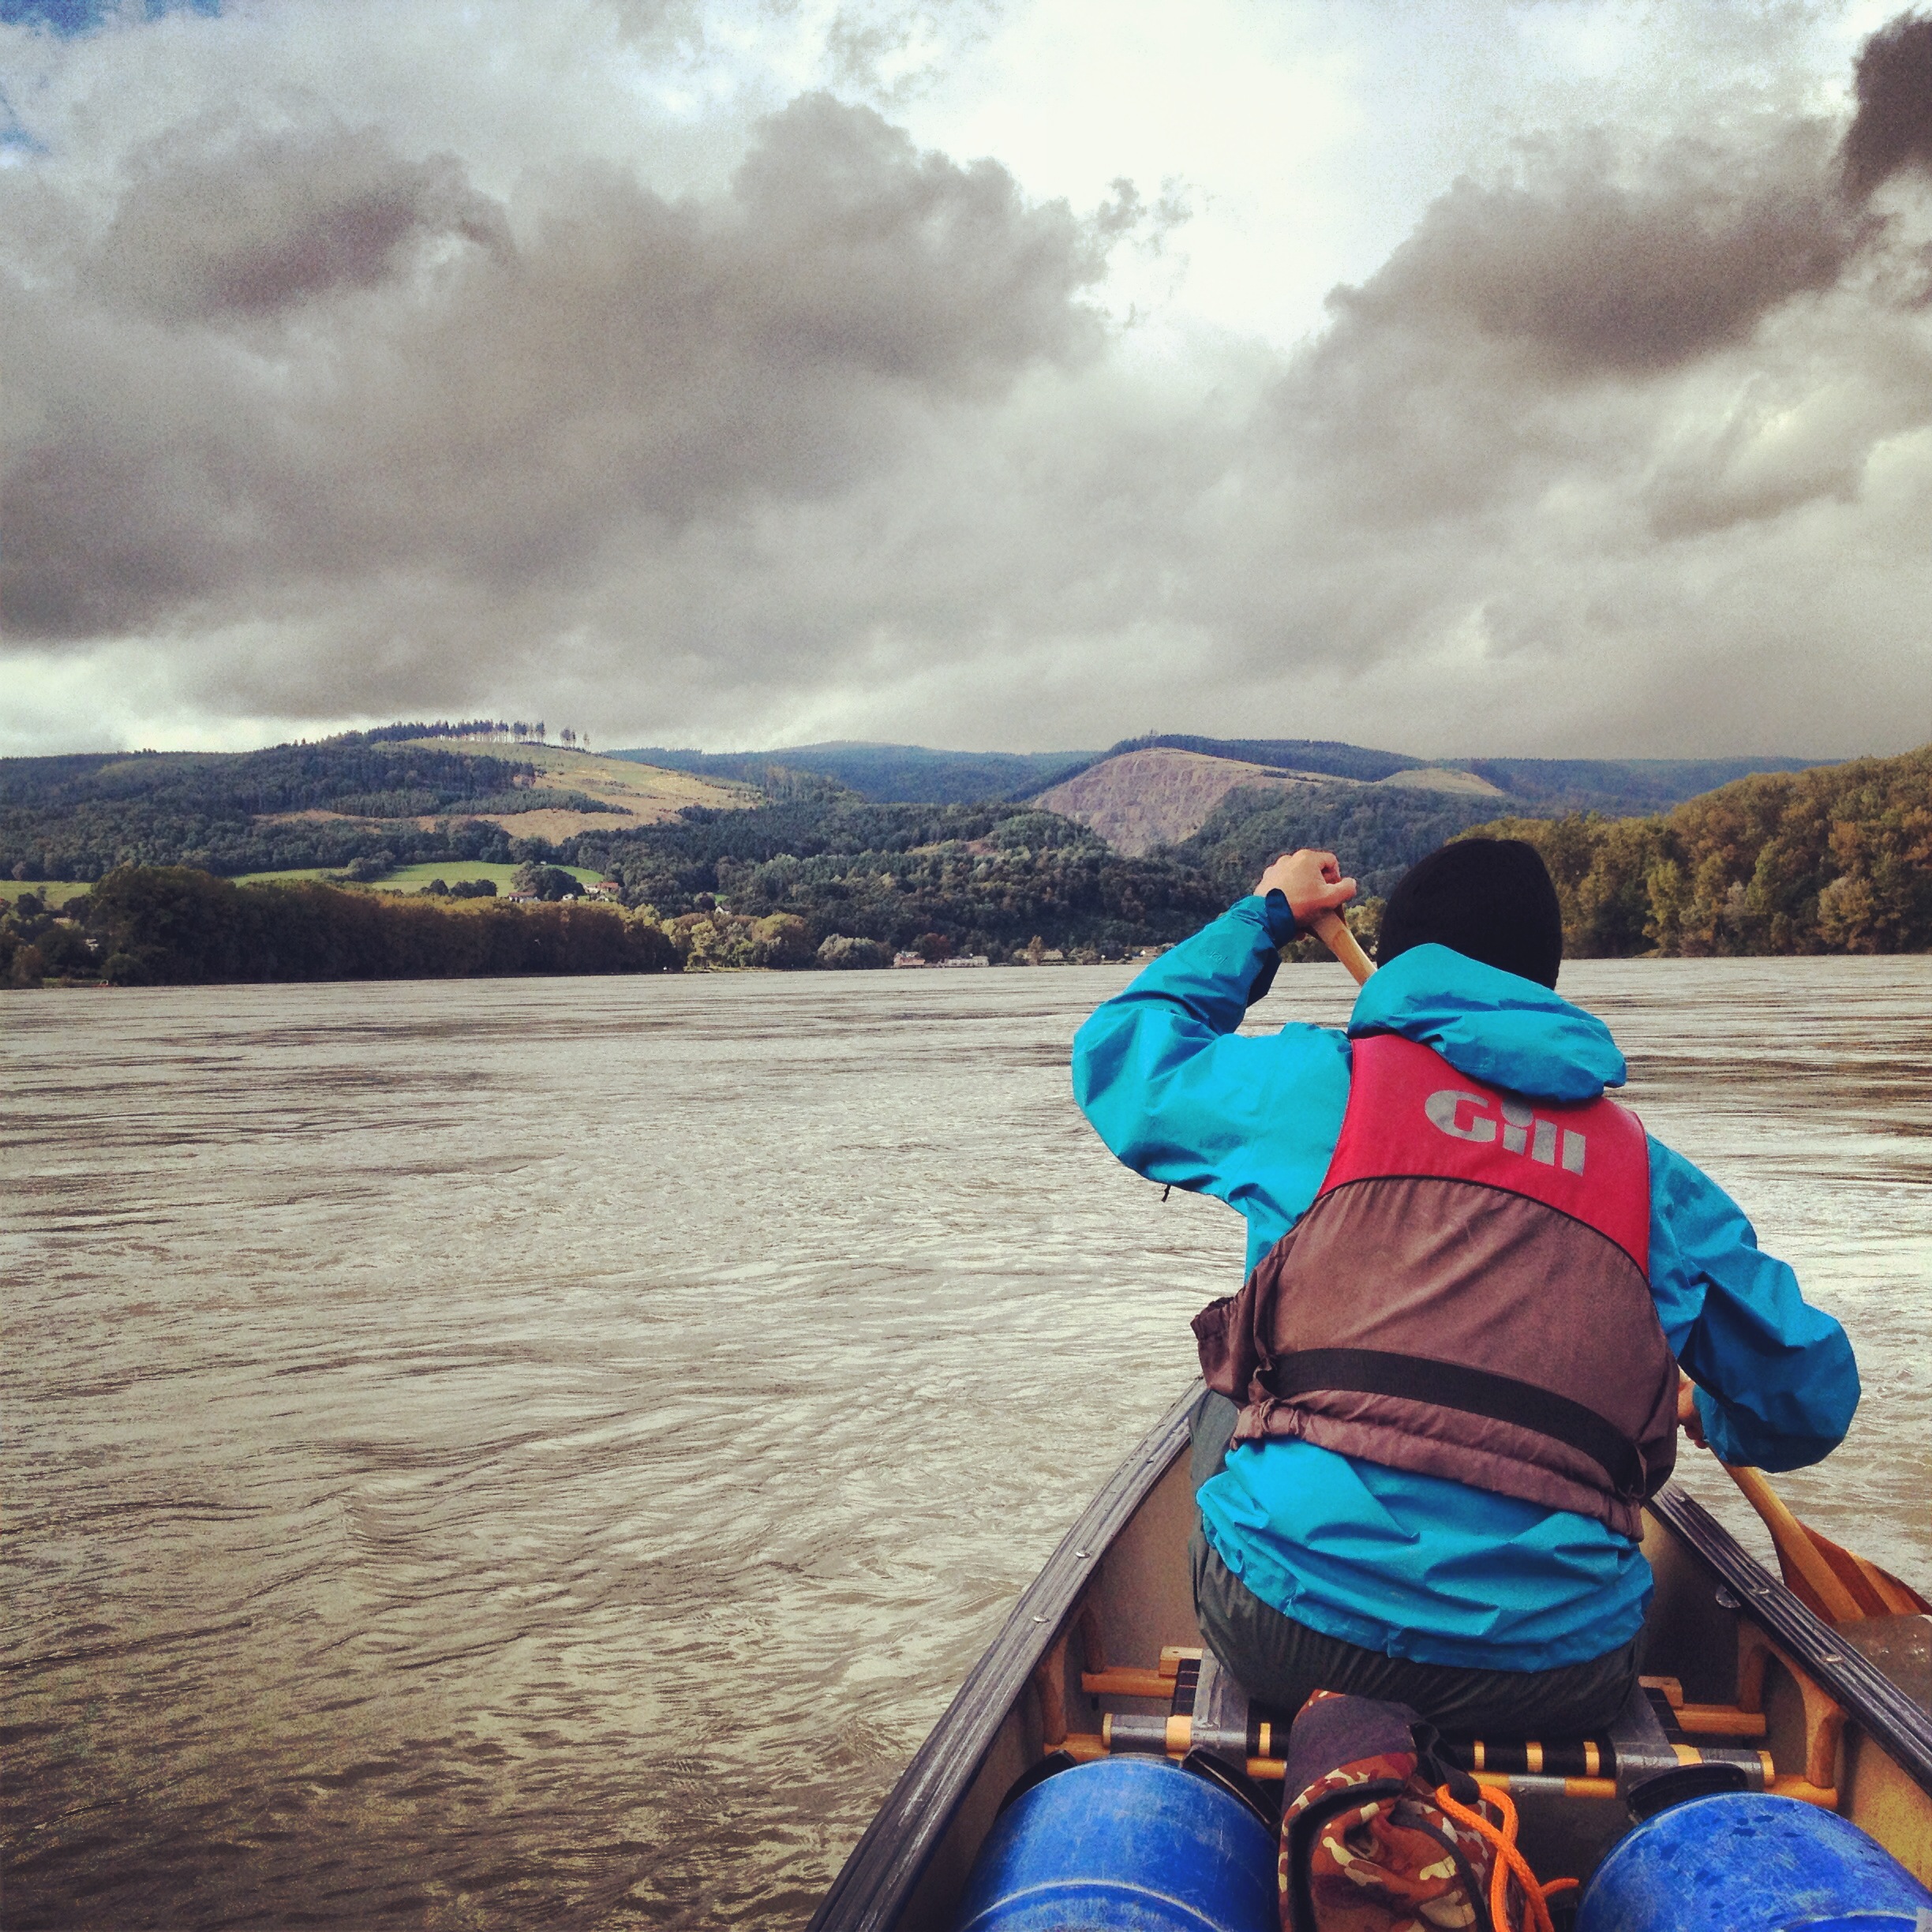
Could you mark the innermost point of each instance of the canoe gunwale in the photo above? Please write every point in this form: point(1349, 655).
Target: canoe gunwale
point(887, 1862)
point(1870, 1698)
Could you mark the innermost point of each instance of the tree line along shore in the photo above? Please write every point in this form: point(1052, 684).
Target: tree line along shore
point(1834, 858)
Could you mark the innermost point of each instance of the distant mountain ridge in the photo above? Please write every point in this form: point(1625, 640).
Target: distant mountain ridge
point(1169, 788)
point(1624, 786)
point(1617, 787)
point(922, 775)
point(881, 774)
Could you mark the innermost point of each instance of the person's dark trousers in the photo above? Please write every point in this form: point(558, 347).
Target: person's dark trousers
point(1279, 1662)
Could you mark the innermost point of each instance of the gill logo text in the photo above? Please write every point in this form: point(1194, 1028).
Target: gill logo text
point(1473, 1117)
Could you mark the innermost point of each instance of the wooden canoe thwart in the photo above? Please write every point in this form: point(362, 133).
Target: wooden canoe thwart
point(1749, 1687)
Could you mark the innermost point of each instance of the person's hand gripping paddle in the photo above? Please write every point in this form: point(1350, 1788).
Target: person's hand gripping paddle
point(1836, 1583)
point(1313, 883)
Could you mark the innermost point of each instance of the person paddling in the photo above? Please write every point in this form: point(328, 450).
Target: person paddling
point(1478, 1297)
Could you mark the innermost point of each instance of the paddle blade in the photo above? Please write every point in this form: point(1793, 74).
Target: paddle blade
point(1876, 1592)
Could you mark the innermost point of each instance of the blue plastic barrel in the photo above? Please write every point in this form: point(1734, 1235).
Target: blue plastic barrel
point(1751, 1862)
point(1134, 1844)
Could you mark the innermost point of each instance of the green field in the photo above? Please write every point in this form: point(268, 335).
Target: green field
point(404, 879)
point(413, 878)
point(51, 892)
point(284, 878)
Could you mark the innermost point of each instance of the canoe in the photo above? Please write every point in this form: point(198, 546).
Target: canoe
point(1744, 1688)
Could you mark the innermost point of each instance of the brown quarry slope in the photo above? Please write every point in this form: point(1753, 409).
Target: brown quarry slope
point(1144, 799)
point(1159, 795)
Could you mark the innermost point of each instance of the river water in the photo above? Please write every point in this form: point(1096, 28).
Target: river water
point(543, 1453)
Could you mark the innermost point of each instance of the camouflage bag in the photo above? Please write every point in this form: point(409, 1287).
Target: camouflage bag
point(1365, 1844)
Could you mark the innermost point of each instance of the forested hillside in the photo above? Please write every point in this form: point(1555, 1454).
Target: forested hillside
point(1382, 828)
point(78, 817)
point(987, 878)
point(1835, 860)
point(418, 792)
point(1378, 831)
point(375, 799)
point(836, 882)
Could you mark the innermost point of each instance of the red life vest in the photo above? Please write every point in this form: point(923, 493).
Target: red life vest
point(1468, 1296)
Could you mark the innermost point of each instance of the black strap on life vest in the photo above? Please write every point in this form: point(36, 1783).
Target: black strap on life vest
point(1475, 1391)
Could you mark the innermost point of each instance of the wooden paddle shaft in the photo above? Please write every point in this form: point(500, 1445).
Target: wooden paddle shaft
point(1794, 1544)
point(1332, 930)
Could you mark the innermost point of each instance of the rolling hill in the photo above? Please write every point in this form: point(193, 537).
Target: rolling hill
point(1222, 807)
point(1160, 795)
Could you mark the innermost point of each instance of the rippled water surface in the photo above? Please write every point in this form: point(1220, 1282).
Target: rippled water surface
point(541, 1453)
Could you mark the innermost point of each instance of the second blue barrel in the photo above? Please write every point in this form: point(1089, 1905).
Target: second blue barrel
point(1133, 1844)
point(1749, 1862)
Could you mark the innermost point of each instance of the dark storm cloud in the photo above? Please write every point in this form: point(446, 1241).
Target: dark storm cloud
point(418, 392)
point(264, 223)
point(1596, 261)
point(1892, 129)
point(1591, 275)
point(1707, 332)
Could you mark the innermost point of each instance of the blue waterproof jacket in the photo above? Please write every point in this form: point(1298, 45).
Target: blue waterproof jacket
point(1414, 1566)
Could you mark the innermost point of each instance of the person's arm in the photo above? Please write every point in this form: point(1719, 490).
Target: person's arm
point(1776, 1383)
point(1180, 1096)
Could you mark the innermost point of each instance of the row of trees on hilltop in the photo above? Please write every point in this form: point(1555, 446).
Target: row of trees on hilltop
point(516, 729)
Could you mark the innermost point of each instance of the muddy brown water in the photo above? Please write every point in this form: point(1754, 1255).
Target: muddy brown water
point(542, 1454)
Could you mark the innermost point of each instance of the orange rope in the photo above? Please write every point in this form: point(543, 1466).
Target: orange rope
point(1510, 1862)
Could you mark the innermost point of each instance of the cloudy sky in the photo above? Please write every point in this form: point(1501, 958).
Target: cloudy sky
point(1529, 376)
